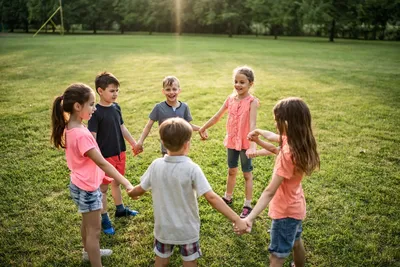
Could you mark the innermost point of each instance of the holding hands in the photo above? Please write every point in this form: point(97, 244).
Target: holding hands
point(203, 133)
point(247, 229)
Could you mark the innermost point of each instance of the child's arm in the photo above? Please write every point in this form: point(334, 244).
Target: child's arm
point(268, 147)
point(212, 121)
point(218, 204)
point(145, 133)
point(203, 135)
point(264, 200)
point(95, 155)
point(136, 192)
point(128, 137)
point(253, 119)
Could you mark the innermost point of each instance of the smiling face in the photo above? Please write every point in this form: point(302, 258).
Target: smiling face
point(108, 95)
point(242, 85)
point(171, 92)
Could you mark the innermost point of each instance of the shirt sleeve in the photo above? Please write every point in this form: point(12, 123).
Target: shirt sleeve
point(199, 180)
point(284, 166)
point(145, 181)
point(93, 123)
point(85, 143)
point(154, 113)
point(188, 116)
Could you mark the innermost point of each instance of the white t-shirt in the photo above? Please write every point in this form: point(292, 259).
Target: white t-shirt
point(176, 182)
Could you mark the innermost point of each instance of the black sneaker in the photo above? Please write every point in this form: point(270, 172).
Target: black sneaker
point(126, 213)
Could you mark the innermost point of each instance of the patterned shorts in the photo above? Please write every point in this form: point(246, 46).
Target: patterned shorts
point(189, 252)
point(86, 201)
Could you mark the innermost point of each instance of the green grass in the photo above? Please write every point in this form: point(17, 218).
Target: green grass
point(351, 87)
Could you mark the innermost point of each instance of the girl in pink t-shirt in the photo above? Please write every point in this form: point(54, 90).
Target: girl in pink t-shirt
point(296, 157)
point(242, 116)
point(85, 162)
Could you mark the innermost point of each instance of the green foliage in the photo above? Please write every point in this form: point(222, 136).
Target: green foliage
point(351, 88)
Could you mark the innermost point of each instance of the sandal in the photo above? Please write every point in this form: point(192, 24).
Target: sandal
point(245, 212)
point(228, 202)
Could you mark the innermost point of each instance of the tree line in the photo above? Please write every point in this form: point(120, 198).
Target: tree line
point(365, 19)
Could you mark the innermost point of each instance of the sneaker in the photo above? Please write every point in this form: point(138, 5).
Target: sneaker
point(245, 212)
point(107, 227)
point(103, 253)
point(228, 202)
point(126, 213)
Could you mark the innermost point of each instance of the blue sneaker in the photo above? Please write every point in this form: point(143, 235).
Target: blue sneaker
point(126, 213)
point(107, 227)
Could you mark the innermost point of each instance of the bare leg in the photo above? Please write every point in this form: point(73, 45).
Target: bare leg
point(190, 263)
point(231, 180)
point(83, 235)
point(299, 253)
point(161, 262)
point(91, 222)
point(248, 190)
point(274, 261)
point(104, 189)
point(116, 193)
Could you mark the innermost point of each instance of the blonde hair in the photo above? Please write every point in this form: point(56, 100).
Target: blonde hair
point(174, 133)
point(169, 80)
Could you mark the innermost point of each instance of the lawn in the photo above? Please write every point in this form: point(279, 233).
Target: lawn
point(351, 87)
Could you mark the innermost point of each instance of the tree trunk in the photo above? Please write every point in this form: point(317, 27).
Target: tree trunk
point(94, 28)
point(122, 28)
point(332, 31)
point(230, 29)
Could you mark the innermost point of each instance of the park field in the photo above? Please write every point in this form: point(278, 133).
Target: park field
point(351, 87)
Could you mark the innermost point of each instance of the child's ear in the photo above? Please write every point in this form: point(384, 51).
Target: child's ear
point(100, 90)
point(77, 106)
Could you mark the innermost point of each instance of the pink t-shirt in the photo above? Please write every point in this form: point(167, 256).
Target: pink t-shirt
point(238, 123)
point(85, 174)
point(289, 199)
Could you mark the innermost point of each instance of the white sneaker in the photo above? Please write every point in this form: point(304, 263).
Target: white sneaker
point(103, 253)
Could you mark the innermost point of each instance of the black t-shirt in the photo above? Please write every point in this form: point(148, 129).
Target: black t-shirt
point(106, 123)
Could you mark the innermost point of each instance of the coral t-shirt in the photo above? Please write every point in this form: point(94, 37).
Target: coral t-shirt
point(238, 122)
point(289, 199)
point(85, 174)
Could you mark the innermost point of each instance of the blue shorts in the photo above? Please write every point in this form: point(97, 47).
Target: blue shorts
point(283, 234)
point(189, 252)
point(86, 201)
point(233, 160)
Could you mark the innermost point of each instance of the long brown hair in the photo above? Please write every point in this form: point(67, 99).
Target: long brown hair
point(293, 118)
point(64, 105)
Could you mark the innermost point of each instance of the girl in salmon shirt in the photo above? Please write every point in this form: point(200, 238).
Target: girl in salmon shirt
point(297, 157)
point(242, 116)
point(85, 162)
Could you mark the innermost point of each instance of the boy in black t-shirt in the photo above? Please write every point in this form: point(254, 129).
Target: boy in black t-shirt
point(107, 127)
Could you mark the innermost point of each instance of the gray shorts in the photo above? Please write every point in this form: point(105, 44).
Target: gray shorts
point(233, 160)
point(86, 201)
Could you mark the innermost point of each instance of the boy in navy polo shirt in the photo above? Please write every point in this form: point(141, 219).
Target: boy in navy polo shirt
point(170, 108)
point(107, 127)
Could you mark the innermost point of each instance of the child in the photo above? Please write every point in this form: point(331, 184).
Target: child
point(108, 128)
point(297, 157)
point(170, 108)
point(85, 161)
point(242, 116)
point(176, 182)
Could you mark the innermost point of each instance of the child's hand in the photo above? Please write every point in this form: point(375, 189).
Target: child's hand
point(253, 135)
point(240, 227)
point(203, 133)
point(251, 153)
point(131, 194)
point(137, 149)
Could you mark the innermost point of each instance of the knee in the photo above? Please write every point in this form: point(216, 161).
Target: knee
point(232, 171)
point(248, 176)
point(103, 188)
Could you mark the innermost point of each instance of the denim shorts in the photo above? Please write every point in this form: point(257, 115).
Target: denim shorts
point(189, 252)
point(233, 160)
point(284, 232)
point(86, 201)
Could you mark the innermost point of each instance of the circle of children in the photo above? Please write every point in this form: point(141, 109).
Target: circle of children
point(96, 156)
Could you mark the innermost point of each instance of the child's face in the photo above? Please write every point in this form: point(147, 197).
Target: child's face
point(110, 94)
point(88, 108)
point(242, 84)
point(171, 92)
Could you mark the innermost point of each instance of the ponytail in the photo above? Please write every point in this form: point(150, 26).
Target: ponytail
point(58, 123)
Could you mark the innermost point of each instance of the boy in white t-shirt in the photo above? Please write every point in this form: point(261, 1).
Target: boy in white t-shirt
point(176, 183)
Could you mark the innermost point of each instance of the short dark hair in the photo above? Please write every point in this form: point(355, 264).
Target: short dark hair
point(169, 80)
point(104, 79)
point(174, 133)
